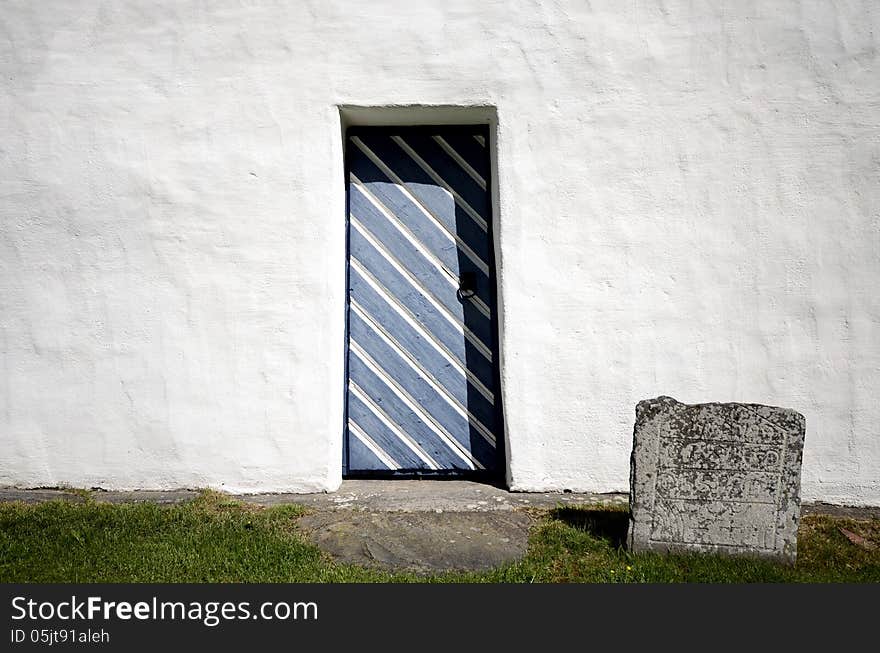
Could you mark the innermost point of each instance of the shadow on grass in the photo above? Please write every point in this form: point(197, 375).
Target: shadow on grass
point(606, 524)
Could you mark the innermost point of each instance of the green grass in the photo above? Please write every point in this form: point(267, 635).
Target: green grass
point(585, 545)
point(214, 539)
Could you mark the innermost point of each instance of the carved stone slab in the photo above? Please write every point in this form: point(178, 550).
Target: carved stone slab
point(718, 478)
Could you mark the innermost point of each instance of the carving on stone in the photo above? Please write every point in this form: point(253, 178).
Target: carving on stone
point(720, 478)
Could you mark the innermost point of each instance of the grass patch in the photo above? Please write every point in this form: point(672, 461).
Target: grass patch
point(586, 545)
point(212, 539)
point(217, 539)
point(82, 493)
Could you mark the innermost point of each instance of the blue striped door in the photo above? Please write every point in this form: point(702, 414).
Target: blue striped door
point(422, 356)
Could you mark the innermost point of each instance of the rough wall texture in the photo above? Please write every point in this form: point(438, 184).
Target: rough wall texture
point(689, 205)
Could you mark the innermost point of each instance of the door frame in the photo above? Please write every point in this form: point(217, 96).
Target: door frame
point(354, 119)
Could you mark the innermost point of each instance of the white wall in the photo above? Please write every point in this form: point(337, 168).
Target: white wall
point(689, 205)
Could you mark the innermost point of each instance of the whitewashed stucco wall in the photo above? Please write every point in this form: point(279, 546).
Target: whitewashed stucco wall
point(689, 205)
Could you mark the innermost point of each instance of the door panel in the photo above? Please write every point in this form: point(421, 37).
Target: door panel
point(422, 353)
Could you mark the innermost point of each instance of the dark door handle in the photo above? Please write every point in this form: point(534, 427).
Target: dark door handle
point(467, 285)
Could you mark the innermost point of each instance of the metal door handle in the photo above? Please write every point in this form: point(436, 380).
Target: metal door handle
point(467, 285)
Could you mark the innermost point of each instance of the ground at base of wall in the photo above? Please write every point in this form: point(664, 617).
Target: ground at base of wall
point(391, 496)
point(216, 538)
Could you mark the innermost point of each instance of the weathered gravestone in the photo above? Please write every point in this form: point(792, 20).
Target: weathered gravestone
point(719, 478)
